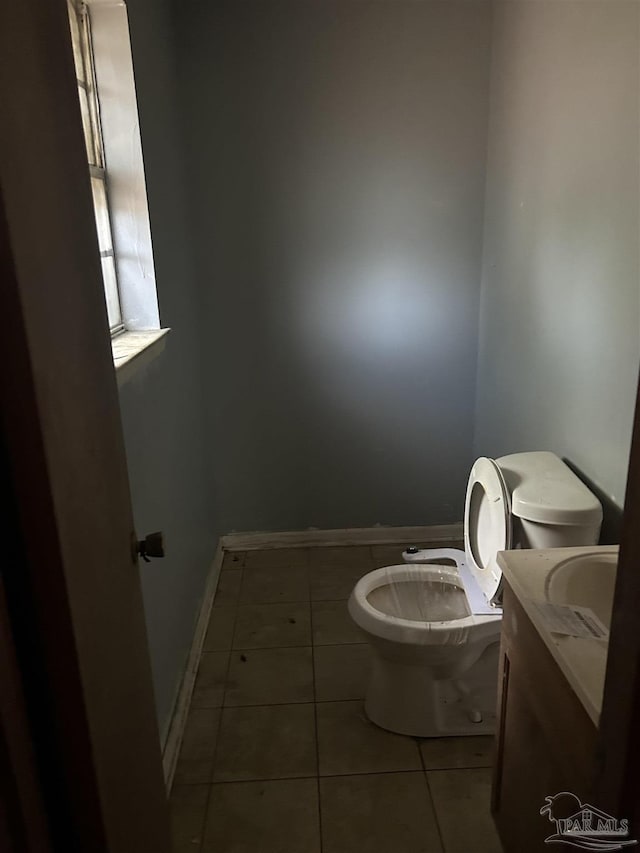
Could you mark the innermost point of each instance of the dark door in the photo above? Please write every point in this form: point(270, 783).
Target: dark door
point(75, 614)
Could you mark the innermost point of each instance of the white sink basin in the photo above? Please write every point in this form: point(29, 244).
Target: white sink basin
point(583, 577)
point(587, 580)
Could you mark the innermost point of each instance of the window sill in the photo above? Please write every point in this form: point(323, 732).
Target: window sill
point(134, 350)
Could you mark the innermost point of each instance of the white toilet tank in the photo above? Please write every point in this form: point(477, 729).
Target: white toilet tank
point(550, 506)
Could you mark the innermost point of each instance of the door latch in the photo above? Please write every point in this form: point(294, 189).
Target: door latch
point(151, 546)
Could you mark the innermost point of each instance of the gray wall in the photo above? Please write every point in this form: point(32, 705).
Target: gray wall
point(162, 409)
point(559, 323)
point(337, 154)
point(319, 261)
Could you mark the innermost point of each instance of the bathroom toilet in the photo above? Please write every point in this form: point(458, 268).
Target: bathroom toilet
point(433, 622)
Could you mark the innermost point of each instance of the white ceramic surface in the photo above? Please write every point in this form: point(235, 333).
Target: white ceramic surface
point(435, 674)
point(428, 678)
point(583, 661)
point(587, 580)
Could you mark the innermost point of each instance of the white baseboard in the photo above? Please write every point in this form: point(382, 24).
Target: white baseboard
point(183, 700)
point(348, 536)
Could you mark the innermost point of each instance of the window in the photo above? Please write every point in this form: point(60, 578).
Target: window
point(109, 108)
point(90, 108)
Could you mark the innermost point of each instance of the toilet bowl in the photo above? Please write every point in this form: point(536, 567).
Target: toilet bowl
point(433, 622)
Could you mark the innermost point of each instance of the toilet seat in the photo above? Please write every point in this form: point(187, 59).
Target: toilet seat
point(417, 632)
point(487, 524)
point(432, 678)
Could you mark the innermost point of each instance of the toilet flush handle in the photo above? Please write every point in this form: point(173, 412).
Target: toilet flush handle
point(151, 546)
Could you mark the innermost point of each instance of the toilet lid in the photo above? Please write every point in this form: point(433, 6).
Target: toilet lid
point(487, 523)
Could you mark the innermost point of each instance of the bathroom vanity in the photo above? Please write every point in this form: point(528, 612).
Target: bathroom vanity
point(550, 690)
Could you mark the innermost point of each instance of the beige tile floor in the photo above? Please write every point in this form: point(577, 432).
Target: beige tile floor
point(278, 755)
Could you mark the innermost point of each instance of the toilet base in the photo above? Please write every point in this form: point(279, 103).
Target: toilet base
point(404, 698)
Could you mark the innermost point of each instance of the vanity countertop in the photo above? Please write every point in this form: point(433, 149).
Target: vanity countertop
point(583, 661)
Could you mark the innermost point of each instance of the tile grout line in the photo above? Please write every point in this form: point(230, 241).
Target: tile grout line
point(296, 567)
point(276, 648)
point(463, 767)
point(209, 783)
point(325, 776)
point(303, 702)
point(292, 600)
point(431, 799)
point(422, 772)
point(315, 722)
point(298, 601)
point(233, 633)
point(219, 731)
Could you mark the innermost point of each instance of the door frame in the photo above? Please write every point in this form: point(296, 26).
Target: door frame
point(617, 776)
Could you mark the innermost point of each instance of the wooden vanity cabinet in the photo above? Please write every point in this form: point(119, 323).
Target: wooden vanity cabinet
point(546, 741)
